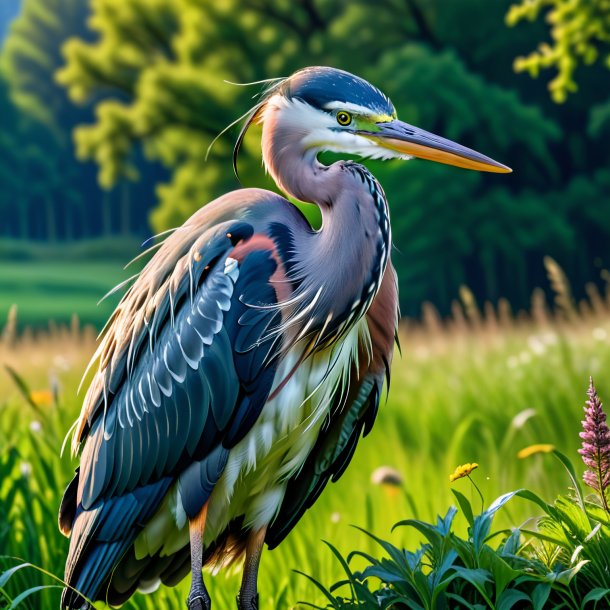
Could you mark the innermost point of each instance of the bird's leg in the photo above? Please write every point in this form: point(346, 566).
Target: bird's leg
point(198, 598)
point(248, 594)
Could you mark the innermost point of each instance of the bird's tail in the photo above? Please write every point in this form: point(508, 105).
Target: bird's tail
point(100, 536)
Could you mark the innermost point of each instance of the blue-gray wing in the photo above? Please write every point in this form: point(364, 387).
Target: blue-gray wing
point(195, 381)
point(169, 404)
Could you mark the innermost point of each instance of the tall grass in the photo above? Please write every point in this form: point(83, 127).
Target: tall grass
point(476, 387)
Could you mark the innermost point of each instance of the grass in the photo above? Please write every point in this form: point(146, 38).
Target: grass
point(44, 291)
point(54, 282)
point(477, 389)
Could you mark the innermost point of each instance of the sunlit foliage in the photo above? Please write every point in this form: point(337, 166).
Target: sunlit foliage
point(580, 35)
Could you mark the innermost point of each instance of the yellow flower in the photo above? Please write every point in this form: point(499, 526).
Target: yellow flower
point(533, 449)
point(42, 398)
point(462, 471)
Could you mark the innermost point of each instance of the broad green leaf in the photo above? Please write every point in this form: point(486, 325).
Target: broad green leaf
point(596, 595)
point(464, 505)
point(540, 595)
point(510, 597)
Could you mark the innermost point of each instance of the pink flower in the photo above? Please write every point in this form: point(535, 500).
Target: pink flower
point(595, 449)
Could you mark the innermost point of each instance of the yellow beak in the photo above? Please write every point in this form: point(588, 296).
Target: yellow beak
point(409, 140)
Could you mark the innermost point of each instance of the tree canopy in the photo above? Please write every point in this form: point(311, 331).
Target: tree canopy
point(146, 88)
point(580, 35)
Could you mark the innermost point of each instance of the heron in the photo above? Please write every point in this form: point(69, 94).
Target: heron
point(240, 369)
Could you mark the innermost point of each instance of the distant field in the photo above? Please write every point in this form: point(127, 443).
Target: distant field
point(46, 291)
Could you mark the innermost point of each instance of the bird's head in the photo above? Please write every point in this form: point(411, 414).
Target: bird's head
point(326, 109)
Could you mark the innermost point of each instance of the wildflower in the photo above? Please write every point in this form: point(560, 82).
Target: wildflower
point(35, 426)
point(462, 471)
point(533, 449)
point(595, 449)
point(42, 398)
point(335, 517)
point(26, 469)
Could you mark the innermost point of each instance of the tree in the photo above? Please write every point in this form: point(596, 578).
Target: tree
point(152, 73)
point(31, 57)
point(580, 35)
point(38, 188)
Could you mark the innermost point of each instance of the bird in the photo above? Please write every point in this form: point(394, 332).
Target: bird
point(241, 367)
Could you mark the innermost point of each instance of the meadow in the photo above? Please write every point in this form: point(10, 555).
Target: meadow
point(475, 388)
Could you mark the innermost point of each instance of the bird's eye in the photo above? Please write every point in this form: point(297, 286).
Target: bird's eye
point(344, 118)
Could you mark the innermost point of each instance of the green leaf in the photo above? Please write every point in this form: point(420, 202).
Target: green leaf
point(322, 589)
point(464, 505)
point(476, 577)
point(23, 388)
point(510, 597)
point(595, 595)
point(540, 595)
point(7, 575)
point(25, 594)
point(536, 499)
point(572, 473)
point(502, 573)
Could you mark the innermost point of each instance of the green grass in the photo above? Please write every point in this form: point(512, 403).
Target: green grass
point(456, 397)
point(57, 290)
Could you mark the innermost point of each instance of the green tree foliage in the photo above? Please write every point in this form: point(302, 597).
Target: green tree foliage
point(149, 79)
point(31, 56)
point(39, 198)
point(580, 35)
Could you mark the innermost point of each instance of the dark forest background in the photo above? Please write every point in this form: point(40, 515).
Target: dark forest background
point(107, 109)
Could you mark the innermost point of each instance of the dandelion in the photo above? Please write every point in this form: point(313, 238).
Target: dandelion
point(534, 449)
point(464, 471)
point(595, 449)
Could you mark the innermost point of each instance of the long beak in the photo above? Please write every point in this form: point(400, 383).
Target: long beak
point(409, 140)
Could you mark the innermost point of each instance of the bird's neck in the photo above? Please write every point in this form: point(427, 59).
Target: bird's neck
point(347, 257)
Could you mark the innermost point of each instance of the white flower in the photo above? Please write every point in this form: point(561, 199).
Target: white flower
point(600, 334)
point(35, 426)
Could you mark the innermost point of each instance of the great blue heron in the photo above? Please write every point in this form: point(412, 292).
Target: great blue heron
point(239, 371)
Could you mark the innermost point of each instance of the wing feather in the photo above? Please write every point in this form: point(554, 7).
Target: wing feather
point(169, 405)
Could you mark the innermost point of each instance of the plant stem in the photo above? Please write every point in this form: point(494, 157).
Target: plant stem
point(479, 492)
